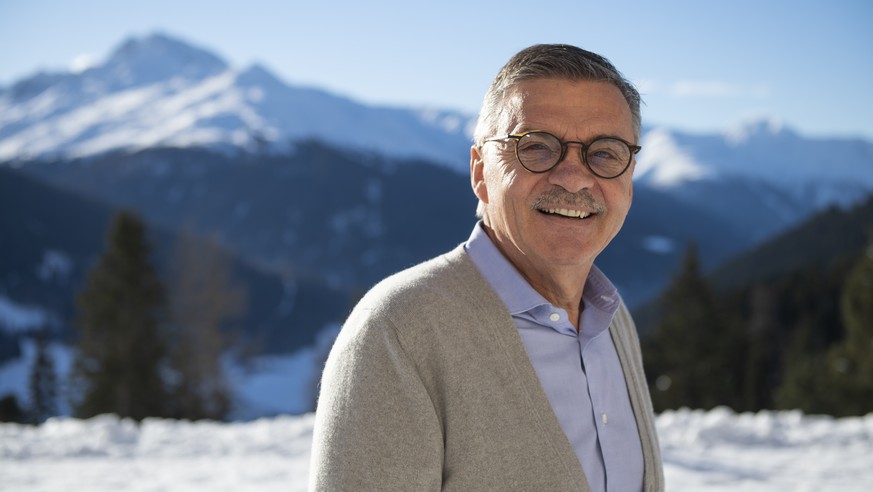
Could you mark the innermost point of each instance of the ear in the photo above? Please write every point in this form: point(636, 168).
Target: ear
point(477, 174)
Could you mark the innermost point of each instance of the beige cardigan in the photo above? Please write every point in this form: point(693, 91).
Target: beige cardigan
point(429, 387)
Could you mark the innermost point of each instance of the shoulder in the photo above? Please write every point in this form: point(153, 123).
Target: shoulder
point(436, 283)
point(442, 300)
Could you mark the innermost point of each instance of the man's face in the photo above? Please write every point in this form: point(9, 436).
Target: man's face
point(523, 209)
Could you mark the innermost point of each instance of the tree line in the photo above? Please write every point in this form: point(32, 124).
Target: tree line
point(145, 347)
point(801, 340)
point(152, 348)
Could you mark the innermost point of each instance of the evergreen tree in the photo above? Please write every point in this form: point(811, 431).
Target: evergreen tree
point(857, 305)
point(834, 378)
point(789, 320)
point(693, 353)
point(804, 380)
point(43, 382)
point(762, 346)
point(203, 298)
point(850, 363)
point(121, 347)
point(10, 410)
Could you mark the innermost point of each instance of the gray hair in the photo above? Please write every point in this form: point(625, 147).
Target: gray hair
point(550, 61)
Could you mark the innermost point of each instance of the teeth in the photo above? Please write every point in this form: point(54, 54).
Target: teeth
point(568, 213)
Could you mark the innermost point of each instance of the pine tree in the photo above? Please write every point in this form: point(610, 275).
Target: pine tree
point(834, 378)
point(693, 353)
point(850, 364)
point(203, 298)
point(761, 347)
point(804, 385)
point(857, 305)
point(10, 410)
point(121, 347)
point(43, 382)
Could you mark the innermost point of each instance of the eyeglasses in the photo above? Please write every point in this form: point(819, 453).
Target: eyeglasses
point(539, 152)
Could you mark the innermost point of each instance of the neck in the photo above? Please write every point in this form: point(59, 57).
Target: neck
point(561, 285)
point(562, 288)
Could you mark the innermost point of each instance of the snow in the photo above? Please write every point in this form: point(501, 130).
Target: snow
point(161, 92)
point(763, 149)
point(659, 244)
point(55, 265)
point(267, 445)
point(723, 451)
point(158, 91)
point(145, 96)
point(264, 386)
point(703, 451)
point(272, 385)
point(15, 317)
point(666, 164)
point(748, 129)
point(107, 453)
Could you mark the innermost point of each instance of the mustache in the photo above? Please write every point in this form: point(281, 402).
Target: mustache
point(557, 197)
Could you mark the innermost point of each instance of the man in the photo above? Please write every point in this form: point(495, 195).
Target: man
point(509, 363)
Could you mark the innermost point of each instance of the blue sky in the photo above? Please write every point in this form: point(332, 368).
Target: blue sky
point(701, 66)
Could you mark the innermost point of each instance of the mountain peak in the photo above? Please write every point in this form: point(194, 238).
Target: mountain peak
point(159, 57)
point(667, 162)
point(763, 126)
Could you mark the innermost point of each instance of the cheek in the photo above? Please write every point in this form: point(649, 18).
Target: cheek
point(620, 197)
point(511, 190)
point(508, 185)
point(498, 180)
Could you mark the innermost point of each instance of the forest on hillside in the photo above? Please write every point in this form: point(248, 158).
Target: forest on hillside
point(788, 325)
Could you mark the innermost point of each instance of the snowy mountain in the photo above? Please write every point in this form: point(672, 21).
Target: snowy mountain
point(724, 191)
point(305, 184)
point(158, 91)
point(760, 176)
point(763, 149)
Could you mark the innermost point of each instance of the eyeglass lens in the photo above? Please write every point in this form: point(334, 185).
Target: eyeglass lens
point(540, 151)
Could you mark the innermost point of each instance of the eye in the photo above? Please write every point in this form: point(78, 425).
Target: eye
point(533, 146)
point(602, 155)
point(539, 143)
point(605, 151)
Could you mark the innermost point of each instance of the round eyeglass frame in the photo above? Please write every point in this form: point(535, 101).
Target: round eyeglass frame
point(632, 149)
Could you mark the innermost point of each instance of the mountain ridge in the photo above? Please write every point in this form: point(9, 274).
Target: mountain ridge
point(51, 236)
point(158, 91)
point(163, 91)
point(759, 178)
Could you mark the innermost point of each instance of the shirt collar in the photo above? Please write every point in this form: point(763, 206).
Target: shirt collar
point(516, 293)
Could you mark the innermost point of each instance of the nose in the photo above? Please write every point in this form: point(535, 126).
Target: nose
point(571, 173)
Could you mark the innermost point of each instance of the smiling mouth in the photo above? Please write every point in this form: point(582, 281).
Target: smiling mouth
point(563, 212)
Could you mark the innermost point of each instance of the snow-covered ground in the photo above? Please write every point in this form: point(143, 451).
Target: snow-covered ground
point(263, 386)
point(703, 451)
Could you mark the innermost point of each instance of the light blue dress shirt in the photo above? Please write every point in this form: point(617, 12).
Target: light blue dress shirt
point(580, 372)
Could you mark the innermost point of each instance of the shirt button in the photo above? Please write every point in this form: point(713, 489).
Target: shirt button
point(555, 317)
point(603, 418)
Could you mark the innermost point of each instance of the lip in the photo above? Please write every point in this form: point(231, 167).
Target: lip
point(558, 203)
point(567, 213)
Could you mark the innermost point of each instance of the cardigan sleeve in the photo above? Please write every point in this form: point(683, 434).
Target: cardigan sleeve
point(375, 425)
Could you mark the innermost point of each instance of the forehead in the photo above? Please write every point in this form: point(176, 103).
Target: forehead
point(569, 109)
